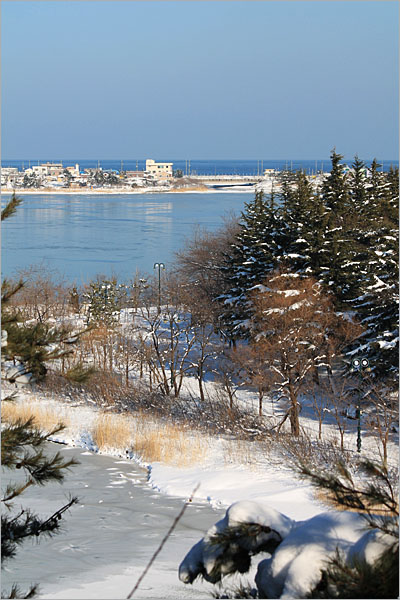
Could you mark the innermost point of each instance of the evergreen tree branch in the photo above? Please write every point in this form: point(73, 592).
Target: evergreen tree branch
point(11, 207)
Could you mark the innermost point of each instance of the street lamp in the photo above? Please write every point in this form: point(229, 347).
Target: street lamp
point(358, 365)
point(159, 266)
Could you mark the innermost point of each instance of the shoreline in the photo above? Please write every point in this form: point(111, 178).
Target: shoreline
point(126, 192)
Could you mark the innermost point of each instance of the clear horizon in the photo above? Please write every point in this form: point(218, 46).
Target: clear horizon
point(217, 79)
point(164, 158)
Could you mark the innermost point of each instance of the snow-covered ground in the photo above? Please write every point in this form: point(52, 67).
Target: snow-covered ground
point(225, 474)
point(120, 484)
point(266, 186)
point(84, 563)
point(71, 558)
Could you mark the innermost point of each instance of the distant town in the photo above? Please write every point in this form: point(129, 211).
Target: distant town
point(157, 176)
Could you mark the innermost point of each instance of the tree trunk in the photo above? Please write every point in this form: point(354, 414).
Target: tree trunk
point(201, 390)
point(294, 412)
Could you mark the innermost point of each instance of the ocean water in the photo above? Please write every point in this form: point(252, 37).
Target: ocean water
point(85, 235)
point(194, 167)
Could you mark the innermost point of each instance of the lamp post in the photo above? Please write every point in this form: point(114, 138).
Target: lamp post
point(159, 266)
point(358, 365)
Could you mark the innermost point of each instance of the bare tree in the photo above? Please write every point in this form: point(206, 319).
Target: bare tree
point(167, 338)
point(383, 416)
point(44, 296)
point(227, 374)
point(127, 353)
point(200, 263)
point(296, 329)
point(252, 370)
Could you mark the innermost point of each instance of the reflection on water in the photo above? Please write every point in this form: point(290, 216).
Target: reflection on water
point(89, 234)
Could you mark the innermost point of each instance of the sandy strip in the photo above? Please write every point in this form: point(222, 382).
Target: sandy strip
point(128, 191)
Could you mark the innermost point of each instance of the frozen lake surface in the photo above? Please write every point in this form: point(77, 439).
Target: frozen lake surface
point(110, 536)
point(84, 235)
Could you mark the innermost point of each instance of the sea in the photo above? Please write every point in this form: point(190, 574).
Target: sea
point(82, 236)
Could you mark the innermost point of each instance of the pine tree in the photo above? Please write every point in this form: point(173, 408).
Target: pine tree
point(377, 303)
point(254, 254)
point(302, 223)
point(248, 529)
point(337, 265)
point(105, 298)
point(11, 207)
point(23, 444)
point(378, 501)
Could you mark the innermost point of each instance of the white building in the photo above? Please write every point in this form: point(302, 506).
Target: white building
point(159, 170)
point(74, 171)
point(46, 169)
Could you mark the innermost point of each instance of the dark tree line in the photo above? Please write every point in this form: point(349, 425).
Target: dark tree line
point(342, 232)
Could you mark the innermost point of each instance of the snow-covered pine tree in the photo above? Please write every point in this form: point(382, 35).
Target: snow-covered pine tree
point(377, 302)
point(254, 254)
point(338, 270)
point(357, 224)
point(302, 224)
point(321, 557)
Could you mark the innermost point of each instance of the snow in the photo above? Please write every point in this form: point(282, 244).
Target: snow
point(223, 481)
point(369, 547)
point(230, 473)
point(294, 568)
point(203, 557)
point(222, 485)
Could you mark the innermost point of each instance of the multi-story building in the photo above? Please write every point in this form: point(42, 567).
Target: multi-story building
point(46, 170)
point(159, 170)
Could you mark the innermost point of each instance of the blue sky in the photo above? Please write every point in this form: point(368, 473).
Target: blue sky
point(199, 79)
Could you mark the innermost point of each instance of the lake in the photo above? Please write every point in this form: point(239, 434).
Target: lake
point(85, 235)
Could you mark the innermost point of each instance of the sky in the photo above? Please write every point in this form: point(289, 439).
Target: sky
point(199, 79)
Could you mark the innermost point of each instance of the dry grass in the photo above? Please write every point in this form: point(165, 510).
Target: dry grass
point(158, 441)
point(328, 498)
point(243, 452)
point(151, 439)
point(112, 431)
point(46, 418)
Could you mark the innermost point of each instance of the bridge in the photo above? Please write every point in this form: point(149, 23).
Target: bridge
point(219, 181)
